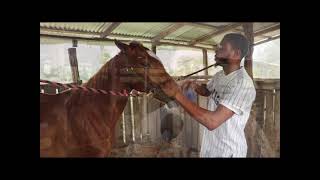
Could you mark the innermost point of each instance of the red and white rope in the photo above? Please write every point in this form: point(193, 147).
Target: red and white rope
point(87, 89)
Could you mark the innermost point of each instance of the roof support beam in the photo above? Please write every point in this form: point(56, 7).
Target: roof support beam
point(269, 29)
point(154, 48)
point(109, 29)
point(201, 25)
point(268, 39)
point(166, 32)
point(215, 33)
point(123, 40)
point(59, 32)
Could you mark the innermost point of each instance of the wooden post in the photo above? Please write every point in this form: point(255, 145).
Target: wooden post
point(74, 43)
point(154, 48)
point(248, 31)
point(259, 104)
point(277, 122)
point(74, 62)
point(269, 124)
point(205, 60)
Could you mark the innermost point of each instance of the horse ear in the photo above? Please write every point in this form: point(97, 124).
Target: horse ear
point(122, 46)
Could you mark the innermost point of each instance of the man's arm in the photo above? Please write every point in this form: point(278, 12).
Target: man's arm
point(210, 119)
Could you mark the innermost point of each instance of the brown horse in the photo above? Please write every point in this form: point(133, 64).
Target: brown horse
point(75, 123)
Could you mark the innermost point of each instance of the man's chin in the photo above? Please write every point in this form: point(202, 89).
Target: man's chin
point(220, 61)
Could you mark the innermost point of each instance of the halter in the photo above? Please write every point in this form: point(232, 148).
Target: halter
point(130, 69)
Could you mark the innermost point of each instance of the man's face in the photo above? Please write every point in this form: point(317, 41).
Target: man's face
point(224, 53)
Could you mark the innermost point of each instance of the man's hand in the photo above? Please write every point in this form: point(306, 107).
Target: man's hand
point(162, 79)
point(200, 89)
point(170, 87)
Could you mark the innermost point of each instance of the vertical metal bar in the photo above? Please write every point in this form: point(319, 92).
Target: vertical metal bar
point(132, 118)
point(123, 128)
point(264, 109)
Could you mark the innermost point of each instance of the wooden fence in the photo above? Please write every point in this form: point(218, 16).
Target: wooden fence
point(144, 118)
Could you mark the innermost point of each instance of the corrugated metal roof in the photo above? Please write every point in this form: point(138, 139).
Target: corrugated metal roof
point(217, 24)
point(141, 29)
point(188, 33)
point(148, 30)
point(216, 39)
point(177, 35)
point(266, 35)
point(85, 27)
point(261, 26)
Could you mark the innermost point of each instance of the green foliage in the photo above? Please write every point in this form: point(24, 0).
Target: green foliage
point(56, 73)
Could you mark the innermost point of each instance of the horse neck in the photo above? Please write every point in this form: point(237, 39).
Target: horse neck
point(107, 78)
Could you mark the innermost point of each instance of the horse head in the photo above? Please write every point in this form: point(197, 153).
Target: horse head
point(138, 64)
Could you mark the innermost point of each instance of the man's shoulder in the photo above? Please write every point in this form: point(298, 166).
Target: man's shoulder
point(218, 74)
point(215, 76)
point(242, 78)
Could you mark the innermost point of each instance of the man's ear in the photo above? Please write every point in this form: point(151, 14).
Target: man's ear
point(237, 53)
point(122, 46)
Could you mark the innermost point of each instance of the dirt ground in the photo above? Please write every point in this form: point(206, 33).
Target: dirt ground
point(154, 150)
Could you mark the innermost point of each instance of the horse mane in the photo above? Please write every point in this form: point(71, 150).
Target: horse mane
point(99, 79)
point(135, 43)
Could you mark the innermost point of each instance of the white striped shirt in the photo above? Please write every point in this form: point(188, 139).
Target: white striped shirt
point(235, 91)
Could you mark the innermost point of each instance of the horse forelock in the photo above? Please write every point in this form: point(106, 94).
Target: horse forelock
point(135, 43)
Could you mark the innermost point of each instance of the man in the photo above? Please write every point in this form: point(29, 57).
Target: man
point(231, 93)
